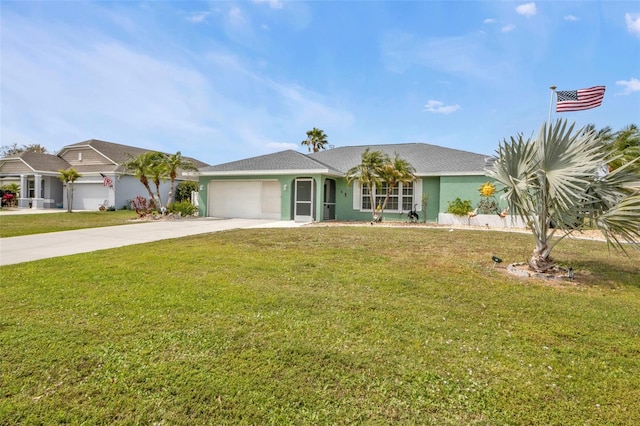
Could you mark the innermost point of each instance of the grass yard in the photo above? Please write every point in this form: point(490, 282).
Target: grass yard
point(27, 224)
point(321, 325)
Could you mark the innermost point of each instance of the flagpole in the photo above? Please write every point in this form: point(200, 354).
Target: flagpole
point(553, 90)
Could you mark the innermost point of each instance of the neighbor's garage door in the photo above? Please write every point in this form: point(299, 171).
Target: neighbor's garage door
point(89, 196)
point(245, 199)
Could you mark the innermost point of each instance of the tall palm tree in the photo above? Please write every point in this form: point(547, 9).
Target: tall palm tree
point(69, 176)
point(556, 180)
point(140, 167)
point(368, 173)
point(174, 163)
point(394, 171)
point(316, 140)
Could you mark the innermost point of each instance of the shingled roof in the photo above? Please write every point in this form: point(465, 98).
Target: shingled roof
point(39, 162)
point(119, 153)
point(283, 162)
point(428, 160)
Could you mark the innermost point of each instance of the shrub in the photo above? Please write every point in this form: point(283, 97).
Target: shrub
point(459, 207)
point(140, 206)
point(184, 208)
point(184, 189)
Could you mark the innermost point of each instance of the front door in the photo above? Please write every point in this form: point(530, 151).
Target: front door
point(303, 210)
point(329, 200)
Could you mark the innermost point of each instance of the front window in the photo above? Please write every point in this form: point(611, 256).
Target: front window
point(400, 199)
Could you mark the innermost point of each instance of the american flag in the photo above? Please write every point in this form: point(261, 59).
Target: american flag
point(578, 100)
point(106, 180)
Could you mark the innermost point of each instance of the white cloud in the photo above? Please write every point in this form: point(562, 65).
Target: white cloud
point(273, 4)
point(632, 85)
point(198, 17)
point(633, 23)
point(527, 9)
point(489, 21)
point(236, 17)
point(282, 146)
point(467, 56)
point(571, 18)
point(440, 108)
point(508, 28)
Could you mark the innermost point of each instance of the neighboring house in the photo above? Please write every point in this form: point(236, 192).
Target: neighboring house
point(289, 185)
point(104, 181)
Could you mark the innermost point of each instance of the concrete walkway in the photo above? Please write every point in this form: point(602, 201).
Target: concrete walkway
point(42, 246)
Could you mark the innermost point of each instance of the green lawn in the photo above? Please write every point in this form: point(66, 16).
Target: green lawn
point(321, 325)
point(26, 224)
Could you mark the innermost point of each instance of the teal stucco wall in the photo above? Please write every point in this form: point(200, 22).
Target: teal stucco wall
point(463, 187)
point(437, 192)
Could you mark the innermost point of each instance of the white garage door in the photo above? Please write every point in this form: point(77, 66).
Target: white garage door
point(245, 199)
point(88, 196)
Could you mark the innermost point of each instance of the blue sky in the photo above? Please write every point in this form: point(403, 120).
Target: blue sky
point(222, 81)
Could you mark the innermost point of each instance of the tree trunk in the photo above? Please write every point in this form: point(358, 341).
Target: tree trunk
point(540, 262)
point(69, 197)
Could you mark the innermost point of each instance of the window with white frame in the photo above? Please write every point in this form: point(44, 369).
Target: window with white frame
point(400, 199)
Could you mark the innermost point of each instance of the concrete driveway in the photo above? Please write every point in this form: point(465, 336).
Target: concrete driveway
point(42, 246)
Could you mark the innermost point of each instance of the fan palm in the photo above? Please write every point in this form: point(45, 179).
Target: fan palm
point(368, 173)
point(69, 176)
point(556, 180)
point(316, 140)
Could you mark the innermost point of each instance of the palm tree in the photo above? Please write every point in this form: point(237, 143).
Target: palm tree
point(393, 172)
point(368, 173)
point(158, 171)
point(626, 146)
point(174, 163)
point(316, 140)
point(140, 167)
point(68, 177)
point(556, 180)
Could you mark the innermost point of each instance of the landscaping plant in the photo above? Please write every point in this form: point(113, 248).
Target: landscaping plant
point(560, 178)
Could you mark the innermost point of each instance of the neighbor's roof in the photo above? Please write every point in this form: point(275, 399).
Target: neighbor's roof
point(118, 153)
point(283, 162)
point(39, 162)
point(428, 160)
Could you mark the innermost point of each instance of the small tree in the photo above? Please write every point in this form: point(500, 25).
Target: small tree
point(158, 171)
point(368, 173)
point(140, 167)
point(394, 171)
point(560, 178)
point(316, 140)
point(14, 149)
point(68, 177)
point(174, 163)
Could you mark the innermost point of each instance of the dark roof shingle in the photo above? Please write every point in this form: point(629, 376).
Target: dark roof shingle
point(280, 161)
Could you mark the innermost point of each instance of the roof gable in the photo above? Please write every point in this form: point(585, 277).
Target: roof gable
point(39, 162)
point(116, 153)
